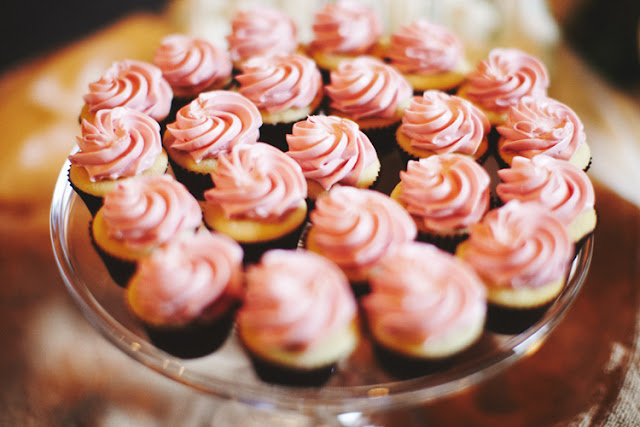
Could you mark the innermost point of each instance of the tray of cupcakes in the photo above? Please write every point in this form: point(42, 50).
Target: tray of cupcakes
point(354, 212)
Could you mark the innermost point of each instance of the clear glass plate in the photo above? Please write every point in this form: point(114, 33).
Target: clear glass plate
point(359, 385)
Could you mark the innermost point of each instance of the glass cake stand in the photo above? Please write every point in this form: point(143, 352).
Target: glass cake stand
point(358, 388)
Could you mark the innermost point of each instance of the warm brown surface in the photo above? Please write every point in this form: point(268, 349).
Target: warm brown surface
point(55, 370)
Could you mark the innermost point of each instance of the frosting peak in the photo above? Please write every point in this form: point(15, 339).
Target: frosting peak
point(440, 123)
point(148, 210)
point(295, 299)
point(424, 47)
point(192, 65)
point(541, 125)
point(135, 84)
point(504, 78)
point(345, 27)
point(213, 123)
point(330, 150)
point(367, 87)
point(119, 142)
point(261, 31)
point(280, 82)
point(445, 192)
point(256, 181)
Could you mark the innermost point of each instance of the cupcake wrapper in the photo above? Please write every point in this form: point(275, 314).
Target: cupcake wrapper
point(447, 243)
point(511, 321)
point(196, 183)
point(278, 374)
point(194, 340)
point(275, 134)
point(93, 203)
point(119, 269)
point(405, 367)
point(382, 138)
point(254, 251)
point(390, 166)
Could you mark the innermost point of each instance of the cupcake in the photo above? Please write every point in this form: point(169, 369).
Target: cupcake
point(343, 30)
point(192, 65)
point(426, 307)
point(438, 123)
point(372, 94)
point(561, 186)
point(186, 293)
point(258, 199)
point(118, 144)
point(332, 150)
point(260, 31)
point(130, 83)
point(205, 128)
point(285, 88)
point(445, 194)
point(430, 56)
point(298, 319)
point(523, 253)
point(543, 125)
point(139, 215)
point(502, 79)
point(355, 228)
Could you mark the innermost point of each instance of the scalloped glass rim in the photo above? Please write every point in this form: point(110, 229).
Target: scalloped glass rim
point(327, 399)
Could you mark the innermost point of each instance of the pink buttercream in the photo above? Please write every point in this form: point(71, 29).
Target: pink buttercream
point(192, 65)
point(445, 192)
point(147, 210)
point(295, 299)
point(356, 227)
point(420, 293)
point(280, 82)
point(345, 27)
point(564, 188)
point(180, 282)
point(422, 47)
point(120, 142)
point(367, 87)
point(330, 150)
point(443, 123)
point(519, 245)
point(256, 182)
point(504, 78)
point(261, 31)
point(130, 83)
point(212, 124)
point(541, 125)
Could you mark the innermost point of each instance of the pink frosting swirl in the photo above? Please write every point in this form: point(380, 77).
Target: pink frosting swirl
point(180, 282)
point(261, 31)
point(345, 27)
point(541, 125)
point(445, 192)
point(367, 87)
point(443, 123)
point(519, 245)
point(192, 65)
point(148, 210)
point(135, 84)
point(504, 78)
point(280, 82)
point(295, 299)
point(213, 123)
point(256, 182)
point(120, 142)
point(330, 150)
point(356, 227)
point(564, 188)
point(425, 48)
point(420, 293)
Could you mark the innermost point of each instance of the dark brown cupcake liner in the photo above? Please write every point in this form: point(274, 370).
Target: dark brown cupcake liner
point(512, 321)
point(382, 138)
point(447, 243)
point(290, 376)
point(276, 134)
point(196, 183)
point(119, 269)
point(194, 340)
point(92, 202)
point(254, 251)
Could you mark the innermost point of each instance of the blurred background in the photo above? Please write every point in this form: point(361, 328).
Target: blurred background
point(55, 370)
